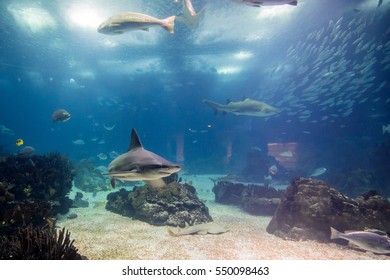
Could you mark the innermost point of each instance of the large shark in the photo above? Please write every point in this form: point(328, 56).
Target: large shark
point(246, 107)
point(139, 164)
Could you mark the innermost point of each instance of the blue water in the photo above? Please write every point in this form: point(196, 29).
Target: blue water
point(329, 78)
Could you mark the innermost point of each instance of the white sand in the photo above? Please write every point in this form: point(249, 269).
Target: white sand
point(101, 234)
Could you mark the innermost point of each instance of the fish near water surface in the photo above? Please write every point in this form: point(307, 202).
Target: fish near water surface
point(139, 164)
point(130, 21)
point(247, 107)
point(366, 240)
point(207, 228)
point(190, 17)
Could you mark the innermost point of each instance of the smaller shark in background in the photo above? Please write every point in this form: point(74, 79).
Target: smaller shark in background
point(139, 164)
point(190, 17)
point(247, 107)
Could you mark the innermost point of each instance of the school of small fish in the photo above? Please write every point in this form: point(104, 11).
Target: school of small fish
point(330, 72)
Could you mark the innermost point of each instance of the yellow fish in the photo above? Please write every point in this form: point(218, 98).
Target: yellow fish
point(19, 142)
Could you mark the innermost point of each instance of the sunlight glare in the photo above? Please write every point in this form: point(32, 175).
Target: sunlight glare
point(84, 16)
point(36, 19)
point(228, 70)
point(242, 55)
point(270, 12)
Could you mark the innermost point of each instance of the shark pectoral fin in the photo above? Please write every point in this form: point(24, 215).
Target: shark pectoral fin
point(146, 29)
point(156, 182)
point(113, 182)
point(202, 232)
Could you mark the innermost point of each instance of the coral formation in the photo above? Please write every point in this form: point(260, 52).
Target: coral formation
point(310, 207)
point(21, 214)
point(39, 177)
point(173, 204)
point(255, 199)
point(34, 243)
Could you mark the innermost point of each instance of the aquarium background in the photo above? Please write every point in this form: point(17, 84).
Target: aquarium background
point(323, 64)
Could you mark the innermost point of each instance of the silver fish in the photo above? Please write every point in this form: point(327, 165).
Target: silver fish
point(129, 21)
point(139, 164)
point(317, 172)
point(247, 107)
point(365, 240)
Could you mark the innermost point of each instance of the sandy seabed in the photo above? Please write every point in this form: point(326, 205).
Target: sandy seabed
point(102, 235)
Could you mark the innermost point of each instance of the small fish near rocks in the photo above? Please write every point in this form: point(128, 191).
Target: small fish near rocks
point(367, 240)
point(311, 207)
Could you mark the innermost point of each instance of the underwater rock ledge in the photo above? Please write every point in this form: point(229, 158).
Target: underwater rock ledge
point(310, 207)
point(254, 199)
point(173, 205)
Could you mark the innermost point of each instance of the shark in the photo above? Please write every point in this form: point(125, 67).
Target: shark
point(247, 107)
point(190, 17)
point(139, 164)
point(206, 228)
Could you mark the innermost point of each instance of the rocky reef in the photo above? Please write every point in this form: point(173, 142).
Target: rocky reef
point(173, 205)
point(310, 207)
point(254, 199)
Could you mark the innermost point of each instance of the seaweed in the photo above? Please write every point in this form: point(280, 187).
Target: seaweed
point(35, 243)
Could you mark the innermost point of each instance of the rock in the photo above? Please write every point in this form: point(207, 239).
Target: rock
point(310, 207)
point(260, 205)
point(173, 205)
point(254, 199)
point(79, 202)
point(227, 192)
point(72, 216)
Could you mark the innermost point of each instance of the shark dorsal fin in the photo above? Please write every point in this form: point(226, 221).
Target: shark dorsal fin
point(135, 142)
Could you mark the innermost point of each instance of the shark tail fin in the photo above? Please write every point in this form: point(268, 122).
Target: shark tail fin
point(216, 106)
point(169, 24)
point(334, 233)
